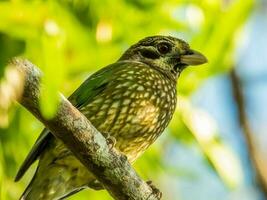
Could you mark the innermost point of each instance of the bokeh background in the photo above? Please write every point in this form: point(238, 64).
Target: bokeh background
point(216, 144)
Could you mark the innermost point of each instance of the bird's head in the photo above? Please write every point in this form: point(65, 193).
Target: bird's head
point(168, 54)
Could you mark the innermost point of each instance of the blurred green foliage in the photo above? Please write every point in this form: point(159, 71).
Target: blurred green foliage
point(70, 39)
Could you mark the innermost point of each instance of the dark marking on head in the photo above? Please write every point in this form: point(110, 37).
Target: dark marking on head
point(147, 53)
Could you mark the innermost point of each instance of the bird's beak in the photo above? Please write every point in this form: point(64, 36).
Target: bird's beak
point(193, 58)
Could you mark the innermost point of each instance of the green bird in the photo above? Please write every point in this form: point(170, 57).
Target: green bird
point(131, 101)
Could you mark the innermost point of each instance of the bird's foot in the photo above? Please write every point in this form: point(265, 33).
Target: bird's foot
point(155, 190)
point(111, 141)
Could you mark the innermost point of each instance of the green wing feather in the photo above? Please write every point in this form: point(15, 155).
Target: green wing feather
point(90, 88)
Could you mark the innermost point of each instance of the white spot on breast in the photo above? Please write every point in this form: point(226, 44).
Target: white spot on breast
point(153, 97)
point(124, 75)
point(168, 99)
point(143, 103)
point(127, 93)
point(133, 86)
point(166, 89)
point(101, 113)
point(104, 106)
point(117, 96)
point(107, 101)
point(140, 88)
point(148, 83)
point(124, 110)
point(130, 72)
point(131, 110)
point(146, 95)
point(126, 101)
point(98, 100)
point(129, 77)
point(115, 104)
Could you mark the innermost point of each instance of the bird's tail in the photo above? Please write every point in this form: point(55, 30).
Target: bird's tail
point(28, 194)
point(27, 190)
point(51, 187)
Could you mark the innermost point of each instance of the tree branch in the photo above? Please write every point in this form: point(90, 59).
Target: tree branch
point(109, 166)
point(257, 157)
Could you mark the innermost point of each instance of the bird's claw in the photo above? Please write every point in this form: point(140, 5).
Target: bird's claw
point(111, 141)
point(155, 190)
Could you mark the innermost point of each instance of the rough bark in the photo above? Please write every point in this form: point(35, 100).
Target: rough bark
point(110, 167)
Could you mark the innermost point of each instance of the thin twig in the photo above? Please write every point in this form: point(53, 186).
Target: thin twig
point(257, 157)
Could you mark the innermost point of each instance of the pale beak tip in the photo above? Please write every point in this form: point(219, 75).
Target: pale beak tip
point(194, 58)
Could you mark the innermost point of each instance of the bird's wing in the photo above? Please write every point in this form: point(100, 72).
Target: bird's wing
point(90, 88)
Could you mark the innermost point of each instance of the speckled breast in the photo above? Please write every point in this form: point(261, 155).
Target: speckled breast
point(134, 108)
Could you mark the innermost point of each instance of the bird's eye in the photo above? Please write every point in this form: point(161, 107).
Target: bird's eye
point(164, 48)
